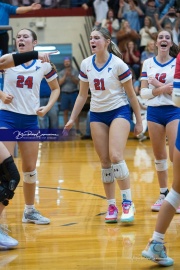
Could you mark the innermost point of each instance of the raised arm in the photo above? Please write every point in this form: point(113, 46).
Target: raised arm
point(25, 9)
point(12, 60)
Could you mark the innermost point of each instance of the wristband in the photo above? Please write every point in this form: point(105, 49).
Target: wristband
point(21, 58)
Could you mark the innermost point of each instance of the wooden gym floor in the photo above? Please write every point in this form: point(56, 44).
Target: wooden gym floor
point(70, 193)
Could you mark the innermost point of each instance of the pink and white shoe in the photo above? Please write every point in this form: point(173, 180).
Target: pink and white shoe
point(128, 211)
point(112, 214)
point(156, 206)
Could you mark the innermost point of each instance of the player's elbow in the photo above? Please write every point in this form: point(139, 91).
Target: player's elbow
point(146, 93)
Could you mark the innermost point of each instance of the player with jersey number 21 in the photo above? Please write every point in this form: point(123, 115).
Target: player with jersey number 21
point(109, 80)
point(19, 108)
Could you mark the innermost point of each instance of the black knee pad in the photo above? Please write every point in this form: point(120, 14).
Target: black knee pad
point(9, 179)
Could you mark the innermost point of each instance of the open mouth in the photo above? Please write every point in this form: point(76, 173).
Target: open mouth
point(21, 45)
point(163, 45)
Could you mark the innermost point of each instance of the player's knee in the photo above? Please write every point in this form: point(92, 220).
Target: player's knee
point(9, 179)
point(161, 165)
point(107, 175)
point(30, 177)
point(173, 198)
point(121, 171)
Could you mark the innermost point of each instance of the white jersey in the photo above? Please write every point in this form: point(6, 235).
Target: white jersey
point(23, 83)
point(163, 73)
point(107, 92)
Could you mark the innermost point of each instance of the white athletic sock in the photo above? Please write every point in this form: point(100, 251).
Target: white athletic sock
point(163, 190)
point(159, 237)
point(126, 194)
point(111, 201)
point(29, 208)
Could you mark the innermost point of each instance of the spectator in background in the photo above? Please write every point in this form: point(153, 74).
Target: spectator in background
point(147, 33)
point(14, 2)
point(114, 5)
point(26, 2)
point(132, 58)
point(87, 135)
point(164, 6)
point(132, 15)
point(170, 17)
point(101, 10)
point(50, 3)
point(149, 9)
point(87, 4)
point(171, 22)
point(123, 8)
point(126, 34)
point(112, 24)
point(149, 51)
point(50, 119)
point(69, 81)
point(6, 10)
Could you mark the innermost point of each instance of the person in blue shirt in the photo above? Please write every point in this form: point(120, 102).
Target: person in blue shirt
point(164, 6)
point(6, 10)
point(50, 120)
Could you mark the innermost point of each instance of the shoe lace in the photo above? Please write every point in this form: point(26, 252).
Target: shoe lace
point(126, 206)
point(111, 209)
point(36, 213)
point(163, 251)
point(4, 229)
point(160, 199)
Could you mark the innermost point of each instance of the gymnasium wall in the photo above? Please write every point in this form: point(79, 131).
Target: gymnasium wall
point(56, 29)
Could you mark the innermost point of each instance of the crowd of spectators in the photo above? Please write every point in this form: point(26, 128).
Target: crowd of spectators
point(134, 25)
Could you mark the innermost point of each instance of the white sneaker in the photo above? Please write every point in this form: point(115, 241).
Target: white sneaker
point(34, 217)
point(6, 241)
point(156, 252)
point(156, 206)
point(128, 211)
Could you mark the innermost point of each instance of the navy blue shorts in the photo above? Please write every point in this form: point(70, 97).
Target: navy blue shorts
point(14, 120)
point(178, 138)
point(109, 116)
point(68, 100)
point(163, 114)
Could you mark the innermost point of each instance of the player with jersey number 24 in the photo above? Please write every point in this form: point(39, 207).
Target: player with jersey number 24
point(19, 108)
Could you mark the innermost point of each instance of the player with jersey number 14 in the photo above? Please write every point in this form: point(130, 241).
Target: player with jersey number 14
point(109, 80)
